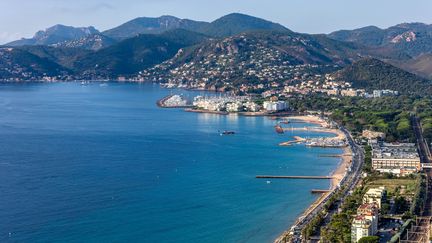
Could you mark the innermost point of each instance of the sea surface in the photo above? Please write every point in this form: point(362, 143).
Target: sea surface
point(102, 163)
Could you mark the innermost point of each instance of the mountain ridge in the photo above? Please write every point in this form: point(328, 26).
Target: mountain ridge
point(373, 74)
point(55, 34)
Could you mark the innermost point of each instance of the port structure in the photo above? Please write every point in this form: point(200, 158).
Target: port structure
point(294, 177)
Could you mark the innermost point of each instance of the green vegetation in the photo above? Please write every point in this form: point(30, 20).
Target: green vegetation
point(390, 115)
point(135, 54)
point(236, 23)
point(400, 189)
point(23, 64)
point(313, 227)
point(369, 239)
point(402, 186)
point(373, 74)
point(419, 199)
point(423, 109)
point(367, 167)
point(339, 228)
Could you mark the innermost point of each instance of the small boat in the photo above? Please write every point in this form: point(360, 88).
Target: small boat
point(227, 133)
point(279, 129)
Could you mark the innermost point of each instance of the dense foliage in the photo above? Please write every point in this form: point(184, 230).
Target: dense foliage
point(420, 196)
point(423, 109)
point(373, 74)
point(339, 228)
point(135, 54)
point(390, 115)
point(369, 239)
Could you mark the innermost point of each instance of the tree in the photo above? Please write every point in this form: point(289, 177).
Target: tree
point(369, 239)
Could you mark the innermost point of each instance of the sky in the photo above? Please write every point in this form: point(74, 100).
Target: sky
point(22, 18)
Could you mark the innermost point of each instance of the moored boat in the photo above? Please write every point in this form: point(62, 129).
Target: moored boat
point(279, 129)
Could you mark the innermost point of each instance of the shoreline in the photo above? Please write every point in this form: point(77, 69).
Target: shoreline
point(242, 113)
point(338, 173)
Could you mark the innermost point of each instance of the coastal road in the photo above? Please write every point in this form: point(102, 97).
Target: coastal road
point(349, 182)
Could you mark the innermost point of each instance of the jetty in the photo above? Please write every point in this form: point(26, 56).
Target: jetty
point(293, 177)
point(297, 139)
point(317, 191)
point(178, 103)
point(335, 155)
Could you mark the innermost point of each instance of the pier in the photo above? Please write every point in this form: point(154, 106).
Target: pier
point(331, 155)
point(318, 191)
point(293, 177)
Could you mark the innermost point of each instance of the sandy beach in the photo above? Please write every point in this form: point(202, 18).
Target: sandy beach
point(338, 174)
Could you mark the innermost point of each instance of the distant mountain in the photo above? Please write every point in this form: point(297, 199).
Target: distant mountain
point(255, 57)
point(228, 25)
point(158, 25)
point(421, 65)
point(66, 57)
point(371, 74)
point(56, 34)
point(236, 23)
point(369, 36)
point(22, 65)
point(414, 39)
point(91, 42)
point(135, 54)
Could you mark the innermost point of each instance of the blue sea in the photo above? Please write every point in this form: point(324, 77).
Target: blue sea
point(102, 163)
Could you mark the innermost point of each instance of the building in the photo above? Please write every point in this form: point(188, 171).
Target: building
point(252, 106)
point(350, 92)
point(234, 107)
point(375, 195)
point(272, 106)
point(370, 211)
point(365, 222)
point(372, 134)
point(361, 227)
point(397, 158)
point(385, 92)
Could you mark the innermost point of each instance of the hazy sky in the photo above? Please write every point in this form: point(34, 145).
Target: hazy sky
point(22, 18)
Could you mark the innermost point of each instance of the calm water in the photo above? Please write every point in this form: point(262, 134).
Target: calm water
point(104, 164)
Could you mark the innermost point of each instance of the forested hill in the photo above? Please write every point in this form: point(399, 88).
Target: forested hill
point(372, 74)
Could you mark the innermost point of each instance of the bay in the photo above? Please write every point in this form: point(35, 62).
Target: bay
point(102, 163)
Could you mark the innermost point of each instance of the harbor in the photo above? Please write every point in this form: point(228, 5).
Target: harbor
point(338, 177)
point(174, 101)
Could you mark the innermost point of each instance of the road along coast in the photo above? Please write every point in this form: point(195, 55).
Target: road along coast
point(338, 176)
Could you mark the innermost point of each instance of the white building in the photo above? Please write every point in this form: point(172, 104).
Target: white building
point(361, 227)
point(399, 158)
point(234, 107)
point(275, 105)
point(252, 106)
point(370, 212)
point(374, 195)
point(384, 92)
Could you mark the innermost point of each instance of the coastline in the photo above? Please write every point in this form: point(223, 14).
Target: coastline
point(241, 113)
point(338, 173)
